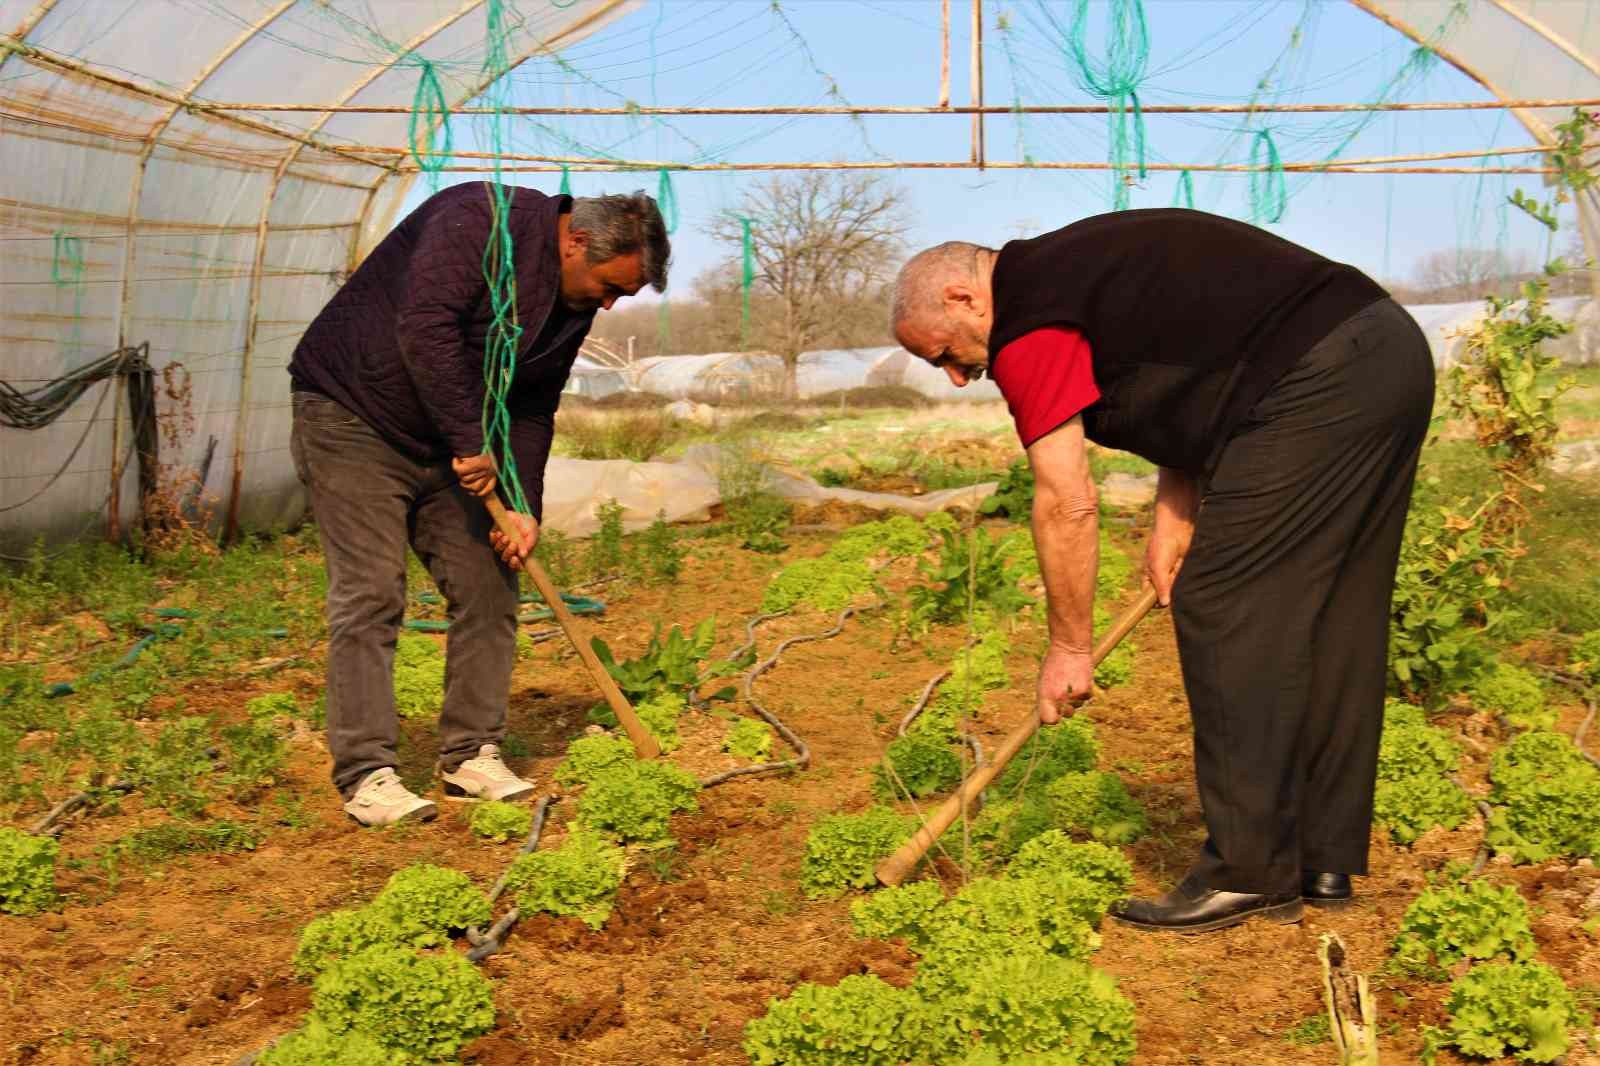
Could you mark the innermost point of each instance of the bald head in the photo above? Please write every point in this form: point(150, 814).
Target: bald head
point(919, 290)
point(942, 308)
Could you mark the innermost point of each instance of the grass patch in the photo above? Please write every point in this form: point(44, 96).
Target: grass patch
point(637, 435)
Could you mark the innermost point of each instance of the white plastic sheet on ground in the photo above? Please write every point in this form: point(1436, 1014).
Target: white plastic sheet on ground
point(685, 491)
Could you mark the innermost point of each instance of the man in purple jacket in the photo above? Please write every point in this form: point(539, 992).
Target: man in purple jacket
point(388, 439)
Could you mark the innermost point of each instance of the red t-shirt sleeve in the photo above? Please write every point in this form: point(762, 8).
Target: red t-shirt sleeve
point(1047, 377)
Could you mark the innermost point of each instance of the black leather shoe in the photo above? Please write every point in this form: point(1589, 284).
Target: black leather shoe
point(1193, 908)
point(1326, 890)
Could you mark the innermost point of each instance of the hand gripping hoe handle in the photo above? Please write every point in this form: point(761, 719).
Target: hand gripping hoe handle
point(644, 743)
point(896, 867)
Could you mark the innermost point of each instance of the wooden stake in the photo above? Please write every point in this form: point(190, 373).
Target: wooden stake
point(944, 54)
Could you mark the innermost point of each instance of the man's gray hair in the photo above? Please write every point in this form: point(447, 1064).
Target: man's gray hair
point(620, 225)
point(919, 290)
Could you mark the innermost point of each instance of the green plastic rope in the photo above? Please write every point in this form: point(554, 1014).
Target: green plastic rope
point(747, 277)
point(428, 107)
point(1116, 79)
point(1269, 197)
point(1184, 197)
point(66, 265)
point(667, 201)
point(504, 340)
point(566, 180)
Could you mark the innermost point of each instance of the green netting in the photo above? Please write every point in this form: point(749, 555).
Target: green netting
point(1269, 197)
point(747, 276)
point(1115, 79)
point(429, 110)
point(1184, 197)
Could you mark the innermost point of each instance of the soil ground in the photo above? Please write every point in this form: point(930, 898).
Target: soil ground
point(186, 962)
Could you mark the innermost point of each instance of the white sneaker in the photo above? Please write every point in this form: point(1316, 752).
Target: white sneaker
point(485, 777)
point(381, 799)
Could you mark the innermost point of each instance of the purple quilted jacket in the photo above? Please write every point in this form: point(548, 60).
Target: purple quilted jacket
point(401, 343)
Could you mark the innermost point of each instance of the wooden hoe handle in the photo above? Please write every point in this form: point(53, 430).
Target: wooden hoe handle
point(644, 743)
point(896, 867)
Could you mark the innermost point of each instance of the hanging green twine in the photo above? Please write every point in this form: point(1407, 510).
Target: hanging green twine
point(1116, 79)
point(66, 264)
point(428, 107)
point(1269, 197)
point(667, 201)
point(1184, 197)
point(566, 180)
point(747, 276)
point(504, 340)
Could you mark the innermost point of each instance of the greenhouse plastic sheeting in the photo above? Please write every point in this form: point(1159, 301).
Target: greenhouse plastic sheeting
point(129, 215)
point(731, 377)
point(1444, 324)
point(685, 491)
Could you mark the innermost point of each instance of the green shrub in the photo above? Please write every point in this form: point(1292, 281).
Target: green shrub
point(1585, 656)
point(1547, 795)
point(272, 707)
point(1054, 854)
point(750, 738)
point(428, 1005)
point(1013, 496)
point(860, 1022)
point(317, 1045)
point(499, 821)
point(27, 871)
point(635, 800)
point(1096, 804)
point(843, 849)
point(1515, 693)
point(1020, 1003)
point(1475, 921)
point(1499, 1009)
point(421, 903)
point(171, 773)
point(973, 573)
point(578, 880)
point(418, 677)
point(1068, 747)
point(918, 764)
point(902, 911)
point(673, 664)
point(587, 756)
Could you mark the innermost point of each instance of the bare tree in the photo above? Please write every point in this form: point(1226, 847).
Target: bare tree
point(821, 240)
point(1462, 274)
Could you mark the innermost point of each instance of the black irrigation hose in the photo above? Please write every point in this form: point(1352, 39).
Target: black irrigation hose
point(802, 756)
point(486, 944)
point(922, 705)
point(1585, 692)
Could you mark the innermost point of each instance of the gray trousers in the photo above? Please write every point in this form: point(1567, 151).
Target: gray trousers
point(1282, 606)
point(370, 502)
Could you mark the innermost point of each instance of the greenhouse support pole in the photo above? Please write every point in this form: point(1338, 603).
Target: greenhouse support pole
point(944, 53)
point(977, 83)
point(1588, 205)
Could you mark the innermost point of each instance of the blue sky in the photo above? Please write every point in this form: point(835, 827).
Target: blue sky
point(744, 52)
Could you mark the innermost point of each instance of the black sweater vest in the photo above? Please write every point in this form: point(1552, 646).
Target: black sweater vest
point(1190, 319)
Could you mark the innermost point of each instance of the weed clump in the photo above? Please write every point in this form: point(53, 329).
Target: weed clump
point(27, 872)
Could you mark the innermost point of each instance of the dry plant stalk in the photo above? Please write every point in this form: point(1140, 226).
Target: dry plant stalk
point(1352, 1017)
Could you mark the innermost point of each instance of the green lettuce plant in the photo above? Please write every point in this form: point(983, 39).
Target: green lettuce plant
point(578, 880)
point(919, 764)
point(635, 800)
point(588, 756)
point(1517, 694)
point(1475, 921)
point(750, 739)
point(843, 849)
point(1096, 804)
point(1506, 1009)
point(499, 821)
point(860, 1022)
point(1546, 796)
point(427, 1005)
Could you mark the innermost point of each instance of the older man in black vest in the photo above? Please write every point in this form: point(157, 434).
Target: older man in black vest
point(1285, 399)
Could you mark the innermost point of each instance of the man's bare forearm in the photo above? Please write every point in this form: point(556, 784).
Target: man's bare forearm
point(1066, 533)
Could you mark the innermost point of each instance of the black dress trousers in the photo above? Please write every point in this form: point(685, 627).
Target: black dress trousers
point(1282, 606)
